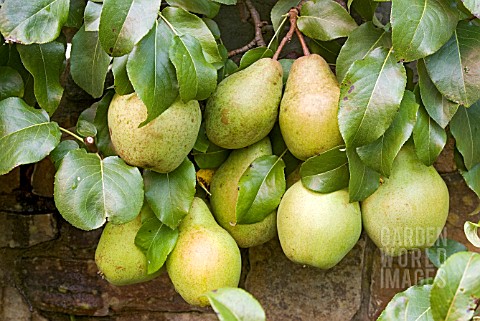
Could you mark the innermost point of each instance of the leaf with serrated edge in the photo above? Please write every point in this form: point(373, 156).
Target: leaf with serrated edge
point(465, 128)
point(443, 248)
point(170, 195)
point(363, 180)
point(380, 154)
point(235, 304)
point(88, 190)
point(26, 134)
point(411, 304)
point(11, 83)
point(471, 232)
point(92, 16)
point(370, 95)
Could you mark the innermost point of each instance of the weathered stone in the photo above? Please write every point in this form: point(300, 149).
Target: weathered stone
point(12, 305)
point(26, 230)
point(140, 316)
point(43, 177)
point(10, 181)
point(290, 291)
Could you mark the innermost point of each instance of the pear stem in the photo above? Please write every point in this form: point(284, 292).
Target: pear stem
point(66, 131)
point(305, 49)
point(293, 16)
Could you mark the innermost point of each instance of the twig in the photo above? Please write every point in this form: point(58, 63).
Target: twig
point(293, 15)
point(243, 49)
point(306, 52)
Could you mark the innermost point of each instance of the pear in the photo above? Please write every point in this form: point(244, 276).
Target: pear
point(408, 211)
point(317, 229)
point(224, 195)
point(205, 257)
point(244, 107)
point(162, 144)
point(118, 258)
point(308, 111)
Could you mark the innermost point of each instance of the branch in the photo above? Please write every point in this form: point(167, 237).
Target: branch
point(306, 52)
point(293, 16)
point(243, 49)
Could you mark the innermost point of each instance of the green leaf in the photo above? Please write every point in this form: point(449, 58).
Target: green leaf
point(14, 61)
point(88, 190)
point(122, 83)
point(75, 14)
point(329, 50)
point(26, 134)
point(229, 68)
point(438, 107)
point(196, 77)
point(151, 72)
point(370, 95)
point(465, 127)
point(279, 11)
point(365, 8)
point(456, 288)
point(455, 68)
point(11, 83)
point(92, 16)
point(214, 29)
point(235, 304)
point(45, 62)
point(412, 304)
point(359, 44)
point(205, 7)
point(61, 150)
point(156, 240)
point(202, 143)
point(213, 157)
point(473, 6)
point(260, 189)
point(89, 63)
point(286, 65)
point(421, 27)
point(380, 154)
point(186, 23)
point(472, 178)
point(253, 55)
point(428, 136)
point(124, 22)
point(325, 20)
point(170, 195)
point(86, 128)
point(33, 21)
point(471, 232)
point(227, 2)
point(443, 249)
point(327, 172)
point(363, 180)
point(279, 147)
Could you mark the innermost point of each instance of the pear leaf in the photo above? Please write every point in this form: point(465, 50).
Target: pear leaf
point(329, 50)
point(26, 134)
point(443, 249)
point(11, 83)
point(253, 55)
point(456, 288)
point(92, 16)
point(156, 240)
point(75, 14)
point(365, 8)
point(279, 11)
point(364, 181)
point(235, 304)
point(122, 83)
point(411, 304)
point(61, 150)
point(213, 157)
point(260, 189)
point(471, 232)
point(465, 128)
point(205, 7)
point(327, 172)
point(279, 147)
point(472, 178)
point(170, 195)
point(227, 2)
point(473, 6)
point(88, 190)
point(86, 128)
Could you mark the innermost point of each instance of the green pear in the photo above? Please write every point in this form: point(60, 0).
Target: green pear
point(162, 144)
point(410, 209)
point(224, 195)
point(205, 257)
point(308, 111)
point(117, 257)
point(317, 229)
point(244, 107)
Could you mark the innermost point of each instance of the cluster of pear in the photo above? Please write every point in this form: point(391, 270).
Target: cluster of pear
point(313, 228)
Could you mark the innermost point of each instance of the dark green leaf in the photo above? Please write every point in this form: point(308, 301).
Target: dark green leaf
point(365, 8)
point(443, 249)
point(370, 95)
point(151, 72)
point(412, 304)
point(472, 178)
point(15, 62)
point(124, 22)
point(235, 304)
point(325, 20)
point(286, 65)
point(421, 27)
point(75, 14)
point(186, 23)
point(156, 240)
point(428, 136)
point(213, 26)
point(227, 2)
point(196, 77)
point(26, 134)
point(45, 63)
point(253, 55)
point(465, 127)
point(213, 157)
point(279, 147)
point(11, 83)
point(86, 128)
point(229, 68)
point(61, 150)
point(380, 154)
point(122, 83)
point(329, 50)
point(439, 108)
point(471, 232)
point(363, 180)
point(359, 44)
point(88, 190)
point(473, 6)
point(327, 172)
point(279, 11)
point(202, 143)
point(89, 63)
point(170, 195)
point(33, 21)
point(205, 7)
point(260, 189)
point(92, 16)
point(455, 68)
point(456, 288)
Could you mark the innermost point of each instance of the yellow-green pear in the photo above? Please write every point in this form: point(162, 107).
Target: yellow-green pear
point(410, 208)
point(224, 195)
point(205, 257)
point(162, 144)
point(308, 111)
point(317, 229)
point(244, 107)
point(117, 257)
